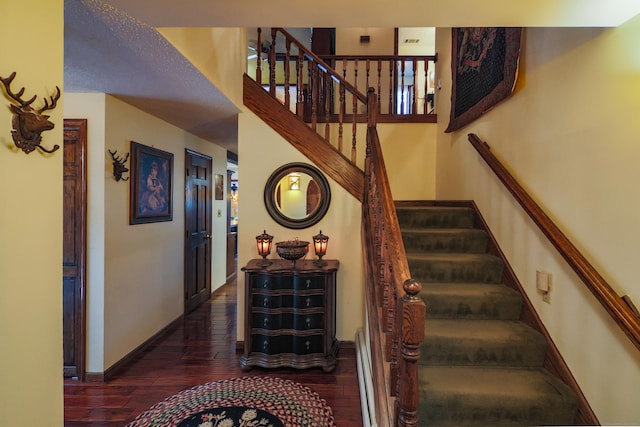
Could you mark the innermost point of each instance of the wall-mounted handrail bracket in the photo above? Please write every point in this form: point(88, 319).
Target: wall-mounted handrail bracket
point(632, 306)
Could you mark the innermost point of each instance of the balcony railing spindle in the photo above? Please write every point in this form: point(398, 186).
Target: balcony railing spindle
point(259, 61)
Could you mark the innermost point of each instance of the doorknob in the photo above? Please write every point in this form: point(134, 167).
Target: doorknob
point(208, 236)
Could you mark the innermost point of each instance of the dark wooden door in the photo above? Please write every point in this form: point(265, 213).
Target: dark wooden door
point(323, 43)
point(74, 244)
point(198, 205)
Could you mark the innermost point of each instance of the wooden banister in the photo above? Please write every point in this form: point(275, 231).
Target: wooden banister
point(322, 96)
point(315, 58)
point(621, 312)
point(399, 314)
point(395, 312)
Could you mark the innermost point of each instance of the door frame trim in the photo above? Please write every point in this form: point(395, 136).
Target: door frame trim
point(81, 126)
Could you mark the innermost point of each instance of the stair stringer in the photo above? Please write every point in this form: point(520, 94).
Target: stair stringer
point(306, 140)
point(553, 362)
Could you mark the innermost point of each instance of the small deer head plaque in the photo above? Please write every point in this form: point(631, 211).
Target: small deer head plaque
point(119, 165)
point(29, 123)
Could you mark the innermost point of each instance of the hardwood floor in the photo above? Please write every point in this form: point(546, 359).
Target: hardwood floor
point(201, 349)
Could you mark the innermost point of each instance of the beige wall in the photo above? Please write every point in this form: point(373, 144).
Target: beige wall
point(262, 151)
point(135, 272)
point(569, 135)
point(219, 53)
point(410, 157)
point(31, 223)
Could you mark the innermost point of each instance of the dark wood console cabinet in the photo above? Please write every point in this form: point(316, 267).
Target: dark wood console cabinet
point(290, 316)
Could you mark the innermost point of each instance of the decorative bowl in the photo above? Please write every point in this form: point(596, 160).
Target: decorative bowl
point(292, 249)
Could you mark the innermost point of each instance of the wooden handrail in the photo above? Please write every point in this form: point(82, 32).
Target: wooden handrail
point(621, 312)
point(393, 299)
point(312, 56)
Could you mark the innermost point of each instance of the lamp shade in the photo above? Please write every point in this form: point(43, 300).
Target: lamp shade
point(320, 242)
point(263, 242)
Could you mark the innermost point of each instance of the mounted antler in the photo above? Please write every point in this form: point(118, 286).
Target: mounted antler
point(28, 123)
point(118, 165)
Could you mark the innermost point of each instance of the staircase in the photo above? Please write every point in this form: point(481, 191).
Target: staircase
point(480, 364)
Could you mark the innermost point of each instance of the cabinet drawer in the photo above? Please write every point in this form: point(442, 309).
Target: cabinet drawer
point(308, 345)
point(287, 344)
point(299, 322)
point(274, 283)
point(270, 282)
point(303, 283)
point(308, 301)
point(288, 301)
point(271, 344)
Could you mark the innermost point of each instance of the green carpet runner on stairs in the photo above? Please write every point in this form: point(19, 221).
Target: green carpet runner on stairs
point(479, 364)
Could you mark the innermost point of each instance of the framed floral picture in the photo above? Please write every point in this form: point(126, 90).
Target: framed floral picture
point(151, 195)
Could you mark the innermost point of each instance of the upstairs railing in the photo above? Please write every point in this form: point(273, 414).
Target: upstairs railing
point(404, 84)
point(621, 309)
point(396, 315)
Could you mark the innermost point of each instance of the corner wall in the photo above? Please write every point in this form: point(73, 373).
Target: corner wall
point(31, 386)
point(570, 136)
point(136, 272)
point(219, 53)
point(262, 151)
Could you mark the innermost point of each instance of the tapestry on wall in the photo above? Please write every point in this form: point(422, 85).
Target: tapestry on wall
point(484, 67)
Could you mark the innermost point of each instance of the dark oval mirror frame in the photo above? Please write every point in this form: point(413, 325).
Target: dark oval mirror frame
point(270, 196)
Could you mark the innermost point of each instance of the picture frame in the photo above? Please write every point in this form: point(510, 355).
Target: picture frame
point(151, 185)
point(219, 186)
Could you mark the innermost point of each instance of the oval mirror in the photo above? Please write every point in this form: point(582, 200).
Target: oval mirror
point(297, 195)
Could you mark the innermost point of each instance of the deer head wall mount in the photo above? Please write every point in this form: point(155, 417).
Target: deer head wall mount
point(118, 165)
point(29, 123)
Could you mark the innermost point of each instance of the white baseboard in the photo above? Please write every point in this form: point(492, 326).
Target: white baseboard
point(365, 380)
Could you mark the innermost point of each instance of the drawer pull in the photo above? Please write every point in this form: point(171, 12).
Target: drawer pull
point(308, 283)
point(307, 345)
point(266, 322)
point(265, 345)
point(308, 322)
point(308, 302)
point(265, 302)
point(266, 283)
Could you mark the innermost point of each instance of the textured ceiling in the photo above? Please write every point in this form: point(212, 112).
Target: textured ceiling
point(379, 13)
point(110, 52)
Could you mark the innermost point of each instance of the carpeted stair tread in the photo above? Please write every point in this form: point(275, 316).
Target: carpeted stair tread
point(482, 342)
point(435, 216)
point(471, 240)
point(491, 397)
point(435, 267)
point(479, 364)
point(471, 301)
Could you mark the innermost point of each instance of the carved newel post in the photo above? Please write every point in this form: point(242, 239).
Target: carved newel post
point(412, 334)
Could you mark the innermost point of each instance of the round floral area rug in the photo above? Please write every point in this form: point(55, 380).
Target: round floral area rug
point(240, 402)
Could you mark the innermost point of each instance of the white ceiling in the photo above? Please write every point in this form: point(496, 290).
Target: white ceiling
point(111, 46)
